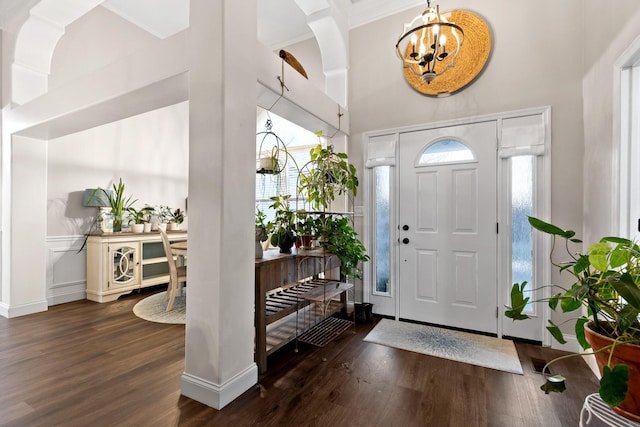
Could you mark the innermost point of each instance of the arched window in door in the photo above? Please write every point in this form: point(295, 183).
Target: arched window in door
point(446, 151)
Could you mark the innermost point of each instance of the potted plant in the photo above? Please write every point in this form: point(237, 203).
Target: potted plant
point(163, 214)
point(119, 204)
point(261, 231)
point(176, 218)
point(306, 228)
point(139, 217)
point(282, 228)
point(338, 237)
point(607, 288)
point(327, 175)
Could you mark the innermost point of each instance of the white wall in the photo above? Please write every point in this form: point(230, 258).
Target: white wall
point(99, 38)
point(308, 54)
point(617, 27)
point(515, 77)
point(150, 152)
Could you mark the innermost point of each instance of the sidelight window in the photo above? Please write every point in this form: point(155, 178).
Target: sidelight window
point(382, 235)
point(522, 180)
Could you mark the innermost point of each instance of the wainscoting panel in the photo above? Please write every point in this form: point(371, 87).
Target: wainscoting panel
point(66, 269)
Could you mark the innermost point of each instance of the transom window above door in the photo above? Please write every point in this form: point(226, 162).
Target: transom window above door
point(446, 151)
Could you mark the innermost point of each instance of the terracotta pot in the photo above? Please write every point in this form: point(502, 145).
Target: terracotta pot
point(623, 354)
point(306, 241)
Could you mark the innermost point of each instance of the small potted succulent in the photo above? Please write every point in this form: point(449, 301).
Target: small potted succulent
point(606, 294)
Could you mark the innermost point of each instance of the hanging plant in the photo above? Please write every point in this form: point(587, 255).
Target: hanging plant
point(328, 175)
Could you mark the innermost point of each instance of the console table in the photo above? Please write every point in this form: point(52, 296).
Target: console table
point(118, 263)
point(285, 286)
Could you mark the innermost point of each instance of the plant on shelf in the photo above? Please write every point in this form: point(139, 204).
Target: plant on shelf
point(261, 231)
point(139, 217)
point(163, 214)
point(338, 237)
point(119, 204)
point(306, 228)
point(175, 218)
point(607, 288)
point(282, 228)
point(328, 175)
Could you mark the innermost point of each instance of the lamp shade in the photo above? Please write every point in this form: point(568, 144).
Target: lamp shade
point(95, 197)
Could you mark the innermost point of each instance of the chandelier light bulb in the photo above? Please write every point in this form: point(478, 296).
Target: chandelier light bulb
point(431, 58)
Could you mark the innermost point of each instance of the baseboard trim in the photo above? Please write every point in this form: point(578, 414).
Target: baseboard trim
point(219, 396)
point(68, 297)
point(10, 311)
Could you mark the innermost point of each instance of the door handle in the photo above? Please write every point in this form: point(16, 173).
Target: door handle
point(405, 227)
point(405, 240)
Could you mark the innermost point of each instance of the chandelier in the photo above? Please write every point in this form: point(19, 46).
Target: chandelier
point(429, 44)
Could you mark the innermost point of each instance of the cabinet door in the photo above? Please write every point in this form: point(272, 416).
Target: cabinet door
point(123, 265)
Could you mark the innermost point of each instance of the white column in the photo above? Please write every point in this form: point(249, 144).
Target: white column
point(219, 364)
point(24, 228)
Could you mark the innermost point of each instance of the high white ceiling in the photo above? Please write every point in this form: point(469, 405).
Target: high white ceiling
point(280, 22)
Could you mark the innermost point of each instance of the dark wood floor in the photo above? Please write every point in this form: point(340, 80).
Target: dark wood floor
point(88, 364)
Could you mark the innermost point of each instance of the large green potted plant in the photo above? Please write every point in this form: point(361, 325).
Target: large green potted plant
point(282, 228)
point(338, 237)
point(606, 294)
point(119, 204)
point(327, 175)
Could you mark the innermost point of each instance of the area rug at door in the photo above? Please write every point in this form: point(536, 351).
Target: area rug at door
point(460, 346)
point(153, 308)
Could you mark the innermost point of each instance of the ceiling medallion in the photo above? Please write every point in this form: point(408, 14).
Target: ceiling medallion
point(436, 61)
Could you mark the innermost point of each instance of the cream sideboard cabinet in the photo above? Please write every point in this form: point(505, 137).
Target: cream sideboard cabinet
point(118, 263)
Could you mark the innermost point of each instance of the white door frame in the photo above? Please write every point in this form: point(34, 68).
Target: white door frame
point(626, 130)
point(542, 210)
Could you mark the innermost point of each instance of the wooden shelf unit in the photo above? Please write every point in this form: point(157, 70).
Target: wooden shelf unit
point(289, 297)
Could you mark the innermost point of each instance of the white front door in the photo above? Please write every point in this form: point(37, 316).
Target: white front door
point(447, 226)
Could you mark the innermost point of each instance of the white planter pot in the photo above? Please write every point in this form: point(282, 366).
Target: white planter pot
point(137, 228)
point(162, 226)
point(147, 227)
point(173, 226)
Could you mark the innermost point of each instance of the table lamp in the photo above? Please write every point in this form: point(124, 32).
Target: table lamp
point(98, 198)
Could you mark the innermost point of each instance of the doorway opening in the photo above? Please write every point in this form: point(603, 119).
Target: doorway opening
point(519, 164)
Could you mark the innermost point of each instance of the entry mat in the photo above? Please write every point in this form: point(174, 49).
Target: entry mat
point(480, 350)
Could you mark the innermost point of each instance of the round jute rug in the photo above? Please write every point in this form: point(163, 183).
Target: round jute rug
point(153, 308)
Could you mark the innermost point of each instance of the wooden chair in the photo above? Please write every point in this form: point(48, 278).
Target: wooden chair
point(177, 274)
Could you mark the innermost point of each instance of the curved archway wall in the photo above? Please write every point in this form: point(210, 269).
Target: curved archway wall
point(329, 22)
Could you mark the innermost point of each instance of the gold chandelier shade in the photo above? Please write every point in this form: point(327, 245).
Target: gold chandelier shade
point(469, 62)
